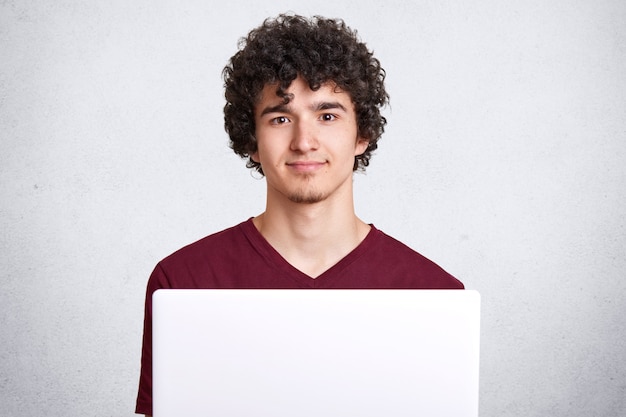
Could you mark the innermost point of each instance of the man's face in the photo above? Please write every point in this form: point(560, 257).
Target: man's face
point(307, 147)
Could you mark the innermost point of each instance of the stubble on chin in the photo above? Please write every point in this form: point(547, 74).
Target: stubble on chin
point(306, 195)
point(306, 198)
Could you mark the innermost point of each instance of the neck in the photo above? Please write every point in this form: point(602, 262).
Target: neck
point(311, 237)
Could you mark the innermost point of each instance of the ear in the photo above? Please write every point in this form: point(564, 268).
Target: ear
point(361, 146)
point(255, 157)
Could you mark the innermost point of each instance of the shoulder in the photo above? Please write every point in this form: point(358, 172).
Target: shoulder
point(392, 247)
point(403, 266)
point(200, 263)
point(208, 245)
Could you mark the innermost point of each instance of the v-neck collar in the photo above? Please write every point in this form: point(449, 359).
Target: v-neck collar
point(327, 279)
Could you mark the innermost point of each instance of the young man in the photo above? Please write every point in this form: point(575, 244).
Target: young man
point(303, 107)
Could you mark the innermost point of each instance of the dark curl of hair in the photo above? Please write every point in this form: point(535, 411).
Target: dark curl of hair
point(319, 50)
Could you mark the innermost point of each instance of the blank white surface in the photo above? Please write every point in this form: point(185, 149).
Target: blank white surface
point(333, 353)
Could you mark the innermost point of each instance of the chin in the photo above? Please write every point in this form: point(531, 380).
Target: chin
point(306, 198)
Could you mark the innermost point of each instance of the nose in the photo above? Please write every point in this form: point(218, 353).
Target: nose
point(304, 137)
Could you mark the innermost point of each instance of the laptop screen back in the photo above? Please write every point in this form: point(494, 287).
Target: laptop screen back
point(316, 353)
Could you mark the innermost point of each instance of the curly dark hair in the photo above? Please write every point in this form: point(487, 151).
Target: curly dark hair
point(319, 50)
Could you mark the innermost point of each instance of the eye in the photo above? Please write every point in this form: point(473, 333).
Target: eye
point(279, 120)
point(328, 117)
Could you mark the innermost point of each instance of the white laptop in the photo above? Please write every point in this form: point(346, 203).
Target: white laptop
point(316, 353)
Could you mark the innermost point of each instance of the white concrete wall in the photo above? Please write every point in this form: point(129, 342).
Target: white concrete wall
point(504, 161)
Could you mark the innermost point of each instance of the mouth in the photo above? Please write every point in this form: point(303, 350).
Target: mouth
point(306, 166)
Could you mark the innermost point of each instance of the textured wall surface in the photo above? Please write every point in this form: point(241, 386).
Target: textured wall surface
point(504, 161)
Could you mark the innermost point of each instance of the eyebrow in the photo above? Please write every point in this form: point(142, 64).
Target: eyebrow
point(322, 105)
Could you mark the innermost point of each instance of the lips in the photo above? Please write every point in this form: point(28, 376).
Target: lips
point(306, 166)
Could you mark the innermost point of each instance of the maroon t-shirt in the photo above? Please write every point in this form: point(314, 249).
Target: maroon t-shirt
point(239, 257)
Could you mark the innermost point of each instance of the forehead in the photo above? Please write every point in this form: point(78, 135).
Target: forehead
point(300, 89)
